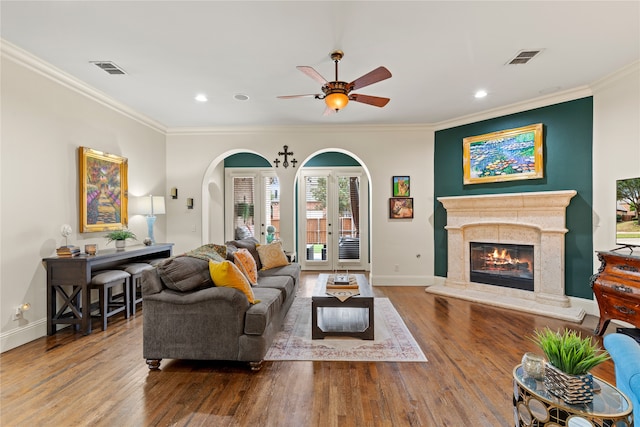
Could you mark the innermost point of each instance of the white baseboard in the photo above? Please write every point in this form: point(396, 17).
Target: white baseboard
point(23, 334)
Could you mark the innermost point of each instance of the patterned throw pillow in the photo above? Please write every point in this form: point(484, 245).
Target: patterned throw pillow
point(226, 274)
point(247, 265)
point(272, 255)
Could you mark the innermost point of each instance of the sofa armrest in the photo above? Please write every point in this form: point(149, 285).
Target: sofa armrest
point(625, 352)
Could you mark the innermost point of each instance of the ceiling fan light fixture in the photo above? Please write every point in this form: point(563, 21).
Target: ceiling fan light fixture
point(337, 100)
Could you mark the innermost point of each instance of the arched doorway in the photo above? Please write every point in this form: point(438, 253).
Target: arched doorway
point(333, 213)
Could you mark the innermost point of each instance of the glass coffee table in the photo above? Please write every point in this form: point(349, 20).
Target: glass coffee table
point(352, 317)
point(534, 406)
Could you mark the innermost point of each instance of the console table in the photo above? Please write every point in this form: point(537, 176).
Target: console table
point(69, 279)
point(616, 286)
point(534, 406)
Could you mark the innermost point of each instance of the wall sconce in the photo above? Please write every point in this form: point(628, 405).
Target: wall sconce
point(285, 153)
point(174, 193)
point(189, 203)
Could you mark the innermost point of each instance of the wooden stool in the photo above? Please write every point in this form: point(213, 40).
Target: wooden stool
point(135, 269)
point(104, 281)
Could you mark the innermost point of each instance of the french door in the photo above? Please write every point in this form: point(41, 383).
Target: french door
point(252, 197)
point(333, 219)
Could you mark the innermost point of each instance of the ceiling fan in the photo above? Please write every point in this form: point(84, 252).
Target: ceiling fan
point(337, 94)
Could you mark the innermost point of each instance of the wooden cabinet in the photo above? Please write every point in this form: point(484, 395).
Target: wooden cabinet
point(617, 289)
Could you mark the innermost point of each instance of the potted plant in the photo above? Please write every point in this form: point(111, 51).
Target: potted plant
point(120, 236)
point(569, 360)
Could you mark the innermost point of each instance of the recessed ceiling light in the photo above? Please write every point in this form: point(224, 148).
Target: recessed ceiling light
point(201, 97)
point(241, 97)
point(481, 94)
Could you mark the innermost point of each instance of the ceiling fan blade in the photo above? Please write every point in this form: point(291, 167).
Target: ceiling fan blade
point(298, 96)
point(312, 73)
point(375, 76)
point(371, 100)
point(328, 111)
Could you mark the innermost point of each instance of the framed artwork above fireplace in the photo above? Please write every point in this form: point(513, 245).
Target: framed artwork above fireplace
point(506, 155)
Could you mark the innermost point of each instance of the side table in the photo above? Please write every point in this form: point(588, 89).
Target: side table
point(534, 406)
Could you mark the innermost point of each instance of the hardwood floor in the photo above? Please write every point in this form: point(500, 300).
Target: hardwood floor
point(102, 380)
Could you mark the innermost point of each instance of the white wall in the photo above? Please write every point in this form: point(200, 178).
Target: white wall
point(616, 148)
point(44, 121)
point(383, 150)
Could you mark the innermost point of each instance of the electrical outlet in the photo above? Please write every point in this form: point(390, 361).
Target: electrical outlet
point(17, 315)
point(396, 267)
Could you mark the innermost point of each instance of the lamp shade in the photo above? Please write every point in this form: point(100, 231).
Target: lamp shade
point(150, 205)
point(336, 101)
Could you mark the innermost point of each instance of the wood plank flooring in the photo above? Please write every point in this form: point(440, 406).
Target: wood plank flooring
point(102, 380)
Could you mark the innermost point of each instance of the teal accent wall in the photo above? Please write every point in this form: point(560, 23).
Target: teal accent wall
point(246, 160)
point(568, 138)
point(331, 158)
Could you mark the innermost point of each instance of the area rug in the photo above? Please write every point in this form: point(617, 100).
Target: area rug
point(393, 342)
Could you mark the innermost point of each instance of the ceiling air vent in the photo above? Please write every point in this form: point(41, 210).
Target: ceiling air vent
point(524, 56)
point(109, 67)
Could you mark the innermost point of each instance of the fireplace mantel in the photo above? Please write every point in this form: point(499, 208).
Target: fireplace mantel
point(536, 218)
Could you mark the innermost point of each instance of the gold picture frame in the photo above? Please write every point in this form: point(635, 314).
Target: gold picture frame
point(103, 191)
point(506, 155)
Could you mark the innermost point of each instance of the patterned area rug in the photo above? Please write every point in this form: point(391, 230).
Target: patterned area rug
point(393, 342)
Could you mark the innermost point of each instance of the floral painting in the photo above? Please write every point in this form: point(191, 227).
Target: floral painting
point(103, 191)
point(504, 156)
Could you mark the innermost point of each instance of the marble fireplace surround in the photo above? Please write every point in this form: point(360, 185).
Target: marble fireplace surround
point(537, 219)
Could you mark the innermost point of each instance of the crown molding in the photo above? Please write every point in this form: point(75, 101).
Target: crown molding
point(609, 79)
point(19, 56)
point(542, 101)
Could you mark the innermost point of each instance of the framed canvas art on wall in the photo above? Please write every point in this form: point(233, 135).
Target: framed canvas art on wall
point(103, 191)
point(400, 207)
point(503, 156)
point(401, 186)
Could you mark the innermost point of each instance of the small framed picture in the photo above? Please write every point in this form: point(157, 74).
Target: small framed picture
point(401, 186)
point(400, 207)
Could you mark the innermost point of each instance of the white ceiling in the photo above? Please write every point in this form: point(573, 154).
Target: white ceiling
point(439, 53)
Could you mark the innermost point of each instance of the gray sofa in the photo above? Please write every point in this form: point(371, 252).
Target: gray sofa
point(187, 317)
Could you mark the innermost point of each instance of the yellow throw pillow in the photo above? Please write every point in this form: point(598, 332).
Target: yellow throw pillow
point(272, 255)
point(247, 265)
point(226, 274)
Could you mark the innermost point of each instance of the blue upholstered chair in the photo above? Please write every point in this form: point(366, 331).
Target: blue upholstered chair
point(625, 352)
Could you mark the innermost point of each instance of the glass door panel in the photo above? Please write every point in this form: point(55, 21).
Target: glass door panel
point(271, 221)
point(316, 236)
point(243, 207)
point(348, 219)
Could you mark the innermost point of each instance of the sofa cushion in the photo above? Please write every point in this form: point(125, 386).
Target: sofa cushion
point(292, 270)
point(284, 284)
point(226, 274)
point(259, 316)
point(272, 255)
point(249, 244)
point(247, 265)
point(184, 273)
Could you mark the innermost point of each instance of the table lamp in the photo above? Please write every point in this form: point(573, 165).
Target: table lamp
point(151, 206)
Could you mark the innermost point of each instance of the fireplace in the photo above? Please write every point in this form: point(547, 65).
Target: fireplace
point(501, 264)
point(535, 223)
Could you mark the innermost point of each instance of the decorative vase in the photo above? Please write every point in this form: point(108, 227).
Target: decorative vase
point(120, 244)
point(533, 366)
point(573, 389)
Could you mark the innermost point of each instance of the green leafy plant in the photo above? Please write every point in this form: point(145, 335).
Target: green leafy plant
point(569, 352)
point(123, 234)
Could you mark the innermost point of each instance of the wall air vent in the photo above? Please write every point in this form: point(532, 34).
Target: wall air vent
point(109, 67)
point(524, 56)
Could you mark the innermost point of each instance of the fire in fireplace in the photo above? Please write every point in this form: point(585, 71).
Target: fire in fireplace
point(502, 264)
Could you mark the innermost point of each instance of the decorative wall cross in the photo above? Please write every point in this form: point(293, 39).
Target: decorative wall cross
point(286, 153)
